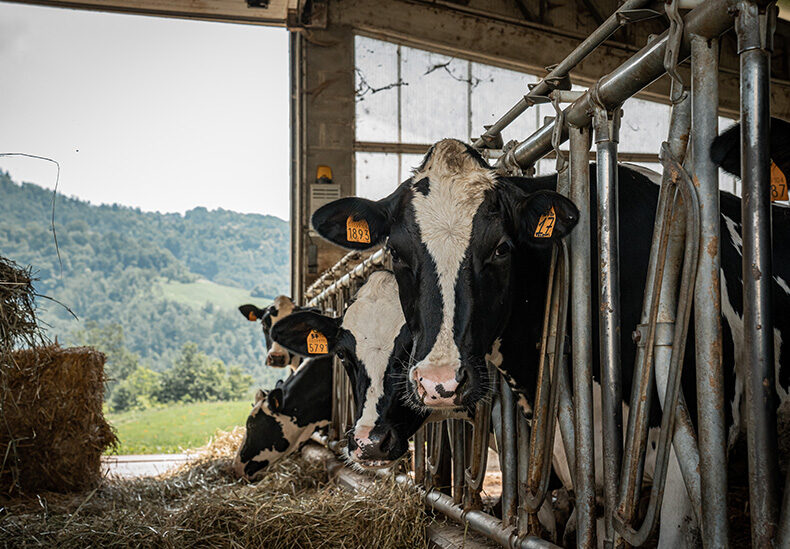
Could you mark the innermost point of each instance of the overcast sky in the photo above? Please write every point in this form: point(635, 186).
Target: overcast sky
point(161, 114)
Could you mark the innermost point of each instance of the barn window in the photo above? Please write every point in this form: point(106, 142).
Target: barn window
point(408, 98)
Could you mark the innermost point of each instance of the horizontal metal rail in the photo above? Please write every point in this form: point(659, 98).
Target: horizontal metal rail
point(709, 19)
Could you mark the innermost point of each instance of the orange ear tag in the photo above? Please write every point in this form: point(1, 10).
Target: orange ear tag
point(252, 316)
point(357, 231)
point(778, 184)
point(316, 343)
point(546, 224)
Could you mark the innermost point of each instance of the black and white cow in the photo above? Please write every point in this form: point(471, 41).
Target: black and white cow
point(276, 356)
point(471, 256)
point(285, 417)
point(373, 343)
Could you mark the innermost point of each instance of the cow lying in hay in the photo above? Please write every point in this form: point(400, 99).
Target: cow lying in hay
point(471, 260)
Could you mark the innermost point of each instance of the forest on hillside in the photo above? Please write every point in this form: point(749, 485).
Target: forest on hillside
point(148, 288)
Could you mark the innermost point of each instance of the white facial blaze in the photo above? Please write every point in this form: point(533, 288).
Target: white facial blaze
point(375, 320)
point(457, 185)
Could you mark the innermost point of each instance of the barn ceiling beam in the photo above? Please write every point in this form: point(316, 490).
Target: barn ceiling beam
point(516, 45)
point(525, 11)
point(593, 9)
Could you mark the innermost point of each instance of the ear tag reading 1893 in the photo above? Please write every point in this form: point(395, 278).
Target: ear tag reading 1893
point(778, 184)
point(546, 224)
point(357, 231)
point(316, 343)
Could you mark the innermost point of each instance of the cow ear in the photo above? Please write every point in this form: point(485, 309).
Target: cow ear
point(274, 399)
point(259, 396)
point(251, 312)
point(544, 217)
point(357, 223)
point(725, 151)
point(308, 334)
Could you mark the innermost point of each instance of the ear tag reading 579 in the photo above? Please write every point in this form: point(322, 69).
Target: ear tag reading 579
point(778, 184)
point(546, 224)
point(316, 343)
point(357, 231)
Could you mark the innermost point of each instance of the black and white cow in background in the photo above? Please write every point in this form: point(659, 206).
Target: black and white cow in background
point(374, 347)
point(286, 416)
point(282, 306)
point(373, 343)
point(472, 268)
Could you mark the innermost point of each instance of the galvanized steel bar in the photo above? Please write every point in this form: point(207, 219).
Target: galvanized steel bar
point(561, 70)
point(710, 19)
point(581, 329)
point(606, 124)
point(758, 336)
point(508, 458)
point(458, 441)
point(707, 296)
point(522, 424)
point(373, 263)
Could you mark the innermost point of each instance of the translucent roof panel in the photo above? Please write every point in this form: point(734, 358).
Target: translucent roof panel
point(376, 174)
point(376, 90)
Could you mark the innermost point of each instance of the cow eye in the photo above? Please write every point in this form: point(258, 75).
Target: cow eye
point(394, 255)
point(503, 249)
point(340, 354)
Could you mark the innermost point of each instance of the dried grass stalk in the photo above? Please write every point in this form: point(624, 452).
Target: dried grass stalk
point(202, 505)
point(52, 429)
point(18, 325)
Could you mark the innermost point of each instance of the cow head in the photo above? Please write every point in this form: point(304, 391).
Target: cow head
point(452, 229)
point(284, 417)
point(277, 356)
point(373, 343)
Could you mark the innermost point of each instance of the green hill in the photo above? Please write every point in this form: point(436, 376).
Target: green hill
point(158, 280)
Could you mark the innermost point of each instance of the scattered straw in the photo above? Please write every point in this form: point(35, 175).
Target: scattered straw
point(202, 505)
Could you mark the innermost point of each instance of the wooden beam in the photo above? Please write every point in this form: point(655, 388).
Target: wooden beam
point(210, 10)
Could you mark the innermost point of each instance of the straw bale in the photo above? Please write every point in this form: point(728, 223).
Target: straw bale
point(52, 429)
point(203, 505)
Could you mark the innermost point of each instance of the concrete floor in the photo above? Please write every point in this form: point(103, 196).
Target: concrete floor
point(142, 465)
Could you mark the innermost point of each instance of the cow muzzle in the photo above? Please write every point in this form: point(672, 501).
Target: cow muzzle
point(371, 450)
point(440, 386)
point(277, 360)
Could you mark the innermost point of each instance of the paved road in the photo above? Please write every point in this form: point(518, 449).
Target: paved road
point(142, 465)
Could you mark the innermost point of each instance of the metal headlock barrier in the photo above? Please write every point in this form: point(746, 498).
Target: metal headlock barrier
point(450, 456)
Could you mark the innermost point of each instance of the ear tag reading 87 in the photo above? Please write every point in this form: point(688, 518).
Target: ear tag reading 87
point(546, 224)
point(778, 184)
point(357, 231)
point(316, 343)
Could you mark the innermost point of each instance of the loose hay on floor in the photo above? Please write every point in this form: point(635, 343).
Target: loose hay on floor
point(202, 505)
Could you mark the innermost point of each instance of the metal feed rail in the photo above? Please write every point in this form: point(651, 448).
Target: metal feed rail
point(450, 456)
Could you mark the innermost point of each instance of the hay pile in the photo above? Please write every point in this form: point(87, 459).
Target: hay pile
point(18, 325)
point(201, 505)
point(52, 429)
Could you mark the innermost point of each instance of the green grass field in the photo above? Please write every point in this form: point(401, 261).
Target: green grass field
point(197, 294)
point(175, 428)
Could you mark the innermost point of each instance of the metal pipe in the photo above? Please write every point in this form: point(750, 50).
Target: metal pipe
point(581, 329)
point(419, 456)
point(707, 296)
point(375, 262)
point(606, 125)
point(561, 70)
point(508, 461)
point(523, 453)
point(709, 19)
point(457, 429)
point(758, 335)
point(679, 337)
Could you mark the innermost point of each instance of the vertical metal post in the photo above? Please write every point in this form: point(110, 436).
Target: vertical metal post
point(753, 47)
point(606, 138)
point(296, 69)
point(419, 456)
point(523, 454)
point(581, 322)
point(707, 295)
point(508, 460)
point(459, 446)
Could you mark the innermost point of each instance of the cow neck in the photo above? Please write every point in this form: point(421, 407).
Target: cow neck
point(307, 393)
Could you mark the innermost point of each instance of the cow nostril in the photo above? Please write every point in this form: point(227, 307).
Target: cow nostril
point(462, 381)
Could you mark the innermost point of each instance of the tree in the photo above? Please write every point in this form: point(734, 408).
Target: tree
point(138, 391)
point(194, 377)
point(238, 382)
